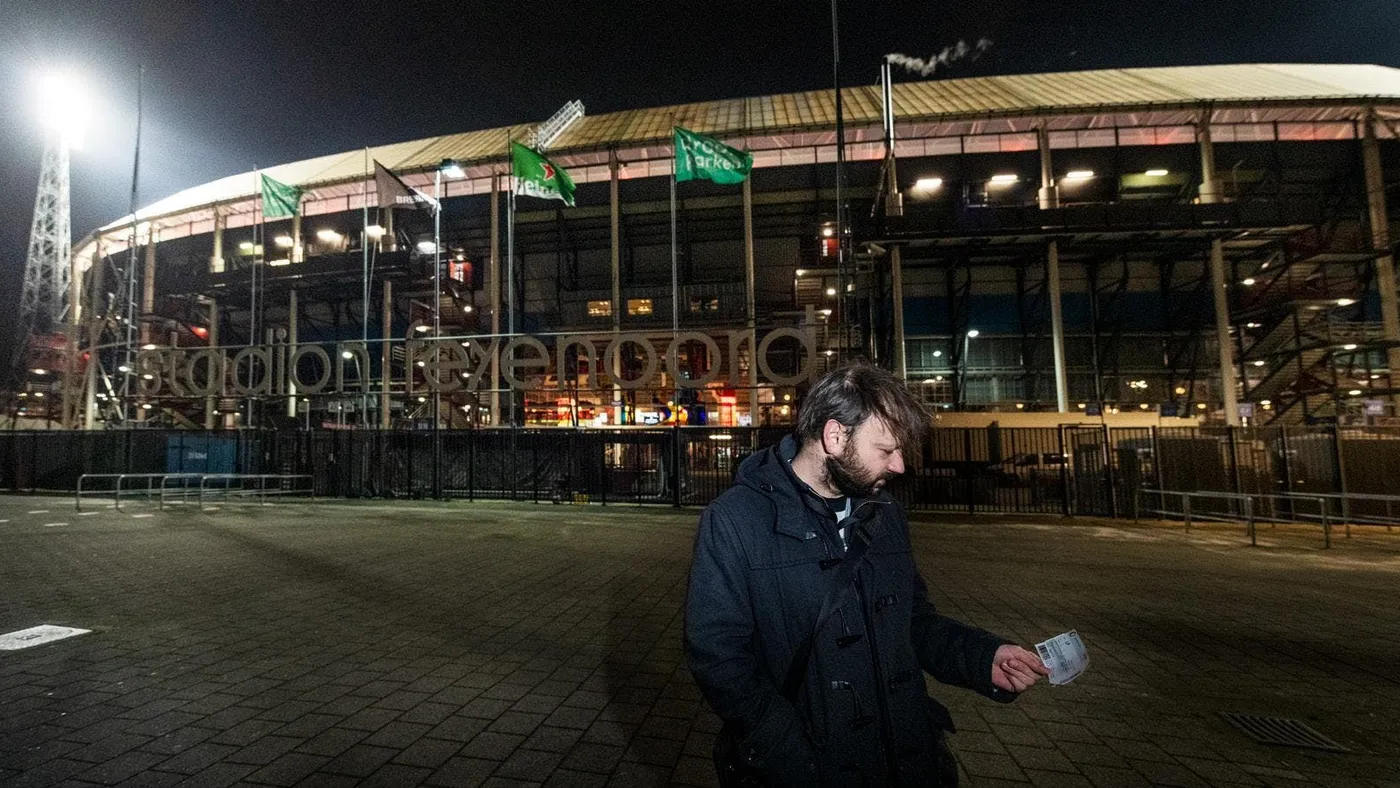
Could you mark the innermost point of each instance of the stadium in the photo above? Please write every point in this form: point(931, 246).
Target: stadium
point(1136, 248)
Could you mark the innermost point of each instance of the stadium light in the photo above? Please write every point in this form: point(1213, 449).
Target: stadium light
point(64, 106)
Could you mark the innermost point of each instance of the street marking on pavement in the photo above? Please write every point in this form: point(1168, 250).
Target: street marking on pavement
point(87, 514)
point(4, 521)
point(53, 525)
point(143, 515)
point(44, 633)
point(40, 511)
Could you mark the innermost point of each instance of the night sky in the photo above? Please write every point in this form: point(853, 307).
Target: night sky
point(233, 85)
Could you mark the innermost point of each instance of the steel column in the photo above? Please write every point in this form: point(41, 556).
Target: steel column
point(1222, 333)
point(1057, 325)
point(1380, 241)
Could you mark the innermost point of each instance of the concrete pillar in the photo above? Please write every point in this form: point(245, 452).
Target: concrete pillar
point(1049, 194)
point(148, 300)
point(148, 287)
point(1057, 325)
point(615, 208)
point(94, 333)
point(291, 349)
point(211, 403)
point(1380, 241)
point(298, 251)
point(494, 291)
point(750, 307)
point(216, 257)
point(1222, 333)
point(71, 392)
point(391, 239)
point(1210, 187)
point(385, 357)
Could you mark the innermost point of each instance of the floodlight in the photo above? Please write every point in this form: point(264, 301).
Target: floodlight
point(427, 247)
point(64, 106)
point(1155, 173)
point(928, 184)
point(283, 241)
point(1005, 178)
point(451, 169)
point(328, 235)
point(374, 231)
point(1079, 175)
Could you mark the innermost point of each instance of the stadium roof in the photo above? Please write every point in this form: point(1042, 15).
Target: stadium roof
point(1256, 93)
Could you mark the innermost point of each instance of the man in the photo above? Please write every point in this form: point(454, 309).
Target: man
point(809, 533)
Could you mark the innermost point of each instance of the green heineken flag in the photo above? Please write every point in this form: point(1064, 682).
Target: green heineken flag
point(536, 176)
point(698, 156)
point(279, 199)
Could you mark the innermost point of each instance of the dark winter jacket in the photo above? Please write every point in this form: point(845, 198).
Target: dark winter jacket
point(763, 556)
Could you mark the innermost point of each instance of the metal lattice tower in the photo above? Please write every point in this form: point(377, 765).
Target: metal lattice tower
point(44, 302)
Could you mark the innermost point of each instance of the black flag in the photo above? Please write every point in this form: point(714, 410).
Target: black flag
point(394, 193)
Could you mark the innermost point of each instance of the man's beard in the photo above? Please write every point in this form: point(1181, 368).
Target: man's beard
point(844, 473)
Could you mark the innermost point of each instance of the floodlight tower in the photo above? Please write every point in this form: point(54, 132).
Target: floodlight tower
point(44, 301)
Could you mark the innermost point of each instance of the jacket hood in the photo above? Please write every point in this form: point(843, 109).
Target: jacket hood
point(769, 472)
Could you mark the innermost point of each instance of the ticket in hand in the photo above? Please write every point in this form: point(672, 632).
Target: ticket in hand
point(1065, 657)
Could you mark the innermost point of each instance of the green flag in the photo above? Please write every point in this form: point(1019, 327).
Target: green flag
point(279, 199)
point(698, 156)
point(536, 176)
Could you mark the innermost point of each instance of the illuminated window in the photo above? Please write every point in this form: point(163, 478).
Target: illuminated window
point(701, 304)
point(638, 306)
point(599, 308)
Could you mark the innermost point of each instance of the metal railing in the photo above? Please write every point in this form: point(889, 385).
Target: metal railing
point(159, 486)
point(1324, 509)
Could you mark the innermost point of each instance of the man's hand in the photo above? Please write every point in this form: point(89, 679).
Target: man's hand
point(1015, 669)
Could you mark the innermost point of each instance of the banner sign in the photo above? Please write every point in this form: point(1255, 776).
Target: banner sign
point(445, 365)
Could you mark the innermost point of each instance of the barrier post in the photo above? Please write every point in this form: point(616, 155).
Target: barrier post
point(1249, 521)
point(1326, 524)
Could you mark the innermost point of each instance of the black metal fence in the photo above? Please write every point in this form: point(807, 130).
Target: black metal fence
point(1091, 470)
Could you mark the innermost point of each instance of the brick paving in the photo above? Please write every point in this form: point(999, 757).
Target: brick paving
point(336, 643)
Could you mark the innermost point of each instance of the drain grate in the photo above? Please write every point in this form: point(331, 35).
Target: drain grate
point(1281, 732)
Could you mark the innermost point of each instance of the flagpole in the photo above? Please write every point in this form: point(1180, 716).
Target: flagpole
point(510, 259)
point(675, 277)
point(675, 329)
point(364, 253)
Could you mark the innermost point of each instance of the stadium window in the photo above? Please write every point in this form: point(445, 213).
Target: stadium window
point(701, 304)
point(600, 308)
point(638, 306)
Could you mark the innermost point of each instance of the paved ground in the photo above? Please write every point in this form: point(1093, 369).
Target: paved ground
point(514, 644)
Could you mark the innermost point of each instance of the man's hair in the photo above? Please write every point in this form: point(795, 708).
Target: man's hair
point(853, 393)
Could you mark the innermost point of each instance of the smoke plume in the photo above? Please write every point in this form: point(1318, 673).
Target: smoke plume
point(925, 68)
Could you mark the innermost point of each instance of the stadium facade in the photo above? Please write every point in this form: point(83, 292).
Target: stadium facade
point(1210, 242)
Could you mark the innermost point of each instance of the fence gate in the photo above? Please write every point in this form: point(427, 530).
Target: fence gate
point(1091, 475)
